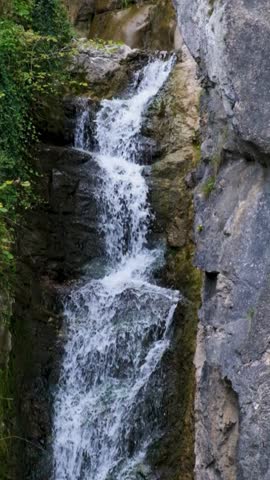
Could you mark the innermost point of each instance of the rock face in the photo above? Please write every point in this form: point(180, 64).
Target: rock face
point(107, 69)
point(173, 124)
point(139, 24)
point(53, 248)
point(228, 40)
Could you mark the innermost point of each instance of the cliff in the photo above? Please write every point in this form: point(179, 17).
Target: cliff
point(209, 191)
point(228, 41)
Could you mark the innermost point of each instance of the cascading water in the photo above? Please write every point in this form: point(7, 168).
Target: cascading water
point(106, 410)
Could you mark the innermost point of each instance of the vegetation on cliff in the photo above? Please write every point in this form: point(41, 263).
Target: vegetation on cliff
point(34, 35)
point(35, 51)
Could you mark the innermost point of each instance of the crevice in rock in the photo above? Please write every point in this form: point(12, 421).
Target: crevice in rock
point(210, 284)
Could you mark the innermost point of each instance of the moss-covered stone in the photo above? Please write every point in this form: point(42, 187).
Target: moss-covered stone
point(173, 121)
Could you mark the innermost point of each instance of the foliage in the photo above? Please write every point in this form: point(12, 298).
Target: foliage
point(108, 46)
point(34, 58)
point(209, 186)
point(127, 3)
point(35, 53)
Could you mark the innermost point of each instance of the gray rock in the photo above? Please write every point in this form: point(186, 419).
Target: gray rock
point(64, 237)
point(233, 248)
point(107, 68)
point(229, 41)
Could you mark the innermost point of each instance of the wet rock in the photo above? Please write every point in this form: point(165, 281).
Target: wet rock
point(172, 121)
point(56, 242)
point(64, 237)
point(107, 70)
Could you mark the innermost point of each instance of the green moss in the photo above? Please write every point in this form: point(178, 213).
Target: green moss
point(197, 152)
point(183, 275)
point(211, 7)
point(209, 186)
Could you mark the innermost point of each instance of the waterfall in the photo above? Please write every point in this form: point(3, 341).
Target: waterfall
point(118, 326)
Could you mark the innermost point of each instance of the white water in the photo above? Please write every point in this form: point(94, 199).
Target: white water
point(117, 327)
point(80, 138)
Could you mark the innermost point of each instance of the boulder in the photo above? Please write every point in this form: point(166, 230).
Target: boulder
point(107, 68)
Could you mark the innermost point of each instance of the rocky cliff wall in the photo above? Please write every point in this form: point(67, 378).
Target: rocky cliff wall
point(52, 249)
point(137, 23)
point(229, 42)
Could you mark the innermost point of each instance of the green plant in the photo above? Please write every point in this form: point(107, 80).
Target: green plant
point(251, 313)
point(209, 186)
point(35, 54)
point(127, 3)
point(109, 46)
point(211, 7)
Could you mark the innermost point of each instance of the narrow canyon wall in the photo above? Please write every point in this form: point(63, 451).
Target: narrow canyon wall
point(229, 42)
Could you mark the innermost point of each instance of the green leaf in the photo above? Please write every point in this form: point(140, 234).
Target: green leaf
point(26, 184)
